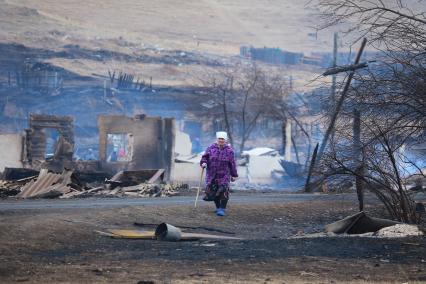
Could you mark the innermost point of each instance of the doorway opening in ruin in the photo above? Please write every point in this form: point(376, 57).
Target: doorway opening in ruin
point(52, 136)
point(119, 147)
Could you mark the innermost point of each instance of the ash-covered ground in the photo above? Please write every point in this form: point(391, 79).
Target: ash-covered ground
point(55, 242)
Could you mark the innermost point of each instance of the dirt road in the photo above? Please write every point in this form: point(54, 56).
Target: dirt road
point(240, 197)
point(54, 242)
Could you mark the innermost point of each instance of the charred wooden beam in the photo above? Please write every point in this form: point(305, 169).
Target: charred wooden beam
point(346, 68)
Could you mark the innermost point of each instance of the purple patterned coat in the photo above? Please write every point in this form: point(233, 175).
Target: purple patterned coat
point(220, 164)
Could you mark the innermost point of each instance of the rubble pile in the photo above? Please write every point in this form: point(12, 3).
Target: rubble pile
point(49, 185)
point(12, 188)
point(44, 185)
point(67, 185)
point(153, 190)
point(140, 190)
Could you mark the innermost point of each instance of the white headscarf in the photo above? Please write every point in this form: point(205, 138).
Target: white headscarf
point(222, 134)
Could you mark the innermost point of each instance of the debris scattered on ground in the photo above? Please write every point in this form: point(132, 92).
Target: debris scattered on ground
point(139, 224)
point(399, 230)
point(47, 185)
point(361, 225)
point(163, 232)
point(358, 223)
point(67, 185)
point(15, 174)
point(13, 187)
point(140, 190)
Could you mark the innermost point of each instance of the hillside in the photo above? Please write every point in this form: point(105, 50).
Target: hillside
point(204, 31)
point(208, 25)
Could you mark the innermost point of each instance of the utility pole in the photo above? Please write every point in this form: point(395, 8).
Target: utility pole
point(339, 104)
point(358, 157)
point(334, 64)
point(341, 99)
point(333, 79)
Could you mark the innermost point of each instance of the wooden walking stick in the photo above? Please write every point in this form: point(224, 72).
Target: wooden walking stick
point(199, 187)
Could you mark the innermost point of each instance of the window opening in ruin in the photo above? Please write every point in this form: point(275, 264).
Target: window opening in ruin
point(52, 136)
point(119, 147)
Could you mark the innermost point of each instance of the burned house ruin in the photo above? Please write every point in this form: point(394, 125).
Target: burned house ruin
point(136, 143)
point(125, 144)
point(37, 140)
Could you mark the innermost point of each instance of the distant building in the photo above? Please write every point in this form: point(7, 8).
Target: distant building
point(312, 60)
point(281, 57)
point(271, 55)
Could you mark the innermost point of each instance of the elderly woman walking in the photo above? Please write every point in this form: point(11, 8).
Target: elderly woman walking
point(221, 169)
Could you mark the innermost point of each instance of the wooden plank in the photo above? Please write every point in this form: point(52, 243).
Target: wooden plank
point(114, 191)
point(148, 235)
point(71, 194)
point(186, 236)
point(131, 188)
point(117, 176)
point(114, 181)
point(156, 176)
point(131, 193)
point(188, 227)
point(93, 189)
point(78, 193)
point(25, 179)
point(133, 234)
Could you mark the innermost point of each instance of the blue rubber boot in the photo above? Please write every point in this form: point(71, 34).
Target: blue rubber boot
point(220, 212)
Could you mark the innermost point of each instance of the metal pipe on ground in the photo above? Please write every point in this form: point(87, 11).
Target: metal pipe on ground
point(167, 232)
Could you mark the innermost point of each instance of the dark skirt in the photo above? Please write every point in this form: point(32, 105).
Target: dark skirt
point(214, 192)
